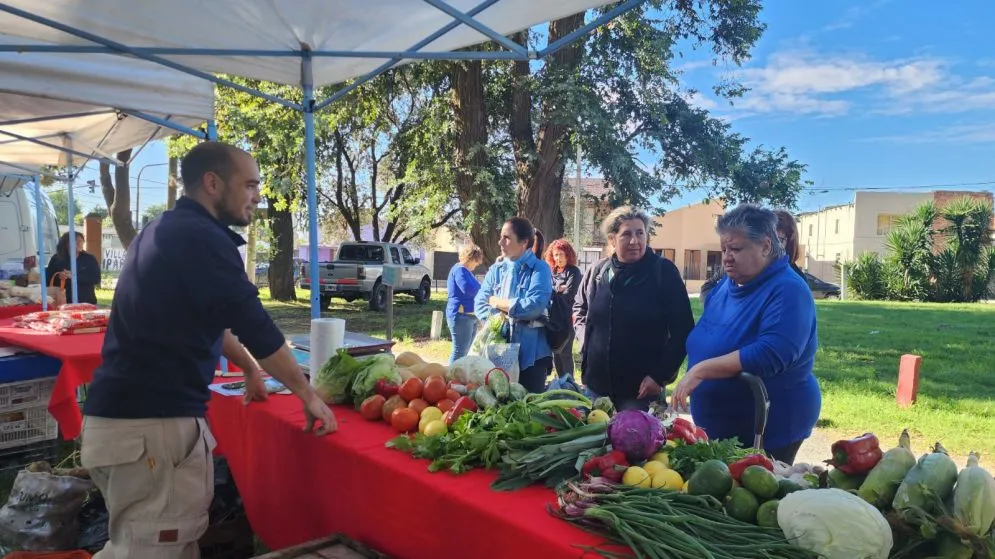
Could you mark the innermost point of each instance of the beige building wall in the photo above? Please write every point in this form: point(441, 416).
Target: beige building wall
point(841, 233)
point(687, 237)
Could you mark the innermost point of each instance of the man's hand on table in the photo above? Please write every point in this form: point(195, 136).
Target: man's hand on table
point(255, 388)
point(316, 412)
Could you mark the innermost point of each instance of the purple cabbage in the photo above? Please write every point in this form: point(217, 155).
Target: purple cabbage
point(636, 433)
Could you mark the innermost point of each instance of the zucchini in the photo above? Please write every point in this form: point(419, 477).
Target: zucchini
point(518, 391)
point(485, 398)
point(500, 384)
point(929, 483)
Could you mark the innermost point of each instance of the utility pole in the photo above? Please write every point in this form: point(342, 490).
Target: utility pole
point(577, 246)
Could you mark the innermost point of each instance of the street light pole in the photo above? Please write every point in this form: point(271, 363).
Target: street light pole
point(577, 204)
point(138, 193)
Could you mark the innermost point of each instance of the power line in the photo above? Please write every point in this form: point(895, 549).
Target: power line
point(821, 190)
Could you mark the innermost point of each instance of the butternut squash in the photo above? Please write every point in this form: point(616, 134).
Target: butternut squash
point(424, 370)
point(407, 359)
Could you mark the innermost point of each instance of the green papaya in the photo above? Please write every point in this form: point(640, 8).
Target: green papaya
point(974, 498)
point(882, 482)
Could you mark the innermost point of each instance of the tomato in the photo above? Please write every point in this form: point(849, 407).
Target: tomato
point(372, 407)
point(392, 403)
point(404, 420)
point(434, 391)
point(418, 405)
point(445, 404)
point(411, 389)
point(452, 395)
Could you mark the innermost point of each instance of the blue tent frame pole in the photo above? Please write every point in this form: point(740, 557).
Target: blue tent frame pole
point(307, 84)
point(212, 131)
point(40, 240)
point(72, 219)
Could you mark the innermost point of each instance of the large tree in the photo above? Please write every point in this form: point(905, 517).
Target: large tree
point(616, 95)
point(116, 189)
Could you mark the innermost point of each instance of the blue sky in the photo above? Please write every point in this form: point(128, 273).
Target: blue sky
point(883, 94)
point(878, 93)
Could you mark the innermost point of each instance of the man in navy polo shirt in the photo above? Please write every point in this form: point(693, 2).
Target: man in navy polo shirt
point(181, 300)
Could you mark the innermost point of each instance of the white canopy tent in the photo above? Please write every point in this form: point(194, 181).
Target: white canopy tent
point(311, 43)
point(64, 109)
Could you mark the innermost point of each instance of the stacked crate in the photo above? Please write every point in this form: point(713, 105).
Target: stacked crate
point(26, 383)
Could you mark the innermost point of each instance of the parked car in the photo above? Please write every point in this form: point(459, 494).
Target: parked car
point(822, 289)
point(357, 270)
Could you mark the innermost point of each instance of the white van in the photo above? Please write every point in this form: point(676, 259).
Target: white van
point(18, 225)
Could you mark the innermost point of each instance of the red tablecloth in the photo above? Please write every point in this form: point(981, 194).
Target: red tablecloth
point(17, 310)
point(80, 356)
point(297, 487)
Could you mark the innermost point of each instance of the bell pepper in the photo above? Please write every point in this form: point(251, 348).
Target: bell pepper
point(737, 467)
point(856, 456)
point(386, 388)
point(610, 466)
point(682, 430)
point(464, 404)
point(700, 434)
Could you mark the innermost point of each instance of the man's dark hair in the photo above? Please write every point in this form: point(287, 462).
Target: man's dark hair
point(207, 157)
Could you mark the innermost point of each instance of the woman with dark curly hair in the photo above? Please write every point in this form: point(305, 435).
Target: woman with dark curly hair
point(562, 260)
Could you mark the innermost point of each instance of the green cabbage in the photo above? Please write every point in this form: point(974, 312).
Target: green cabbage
point(371, 370)
point(835, 524)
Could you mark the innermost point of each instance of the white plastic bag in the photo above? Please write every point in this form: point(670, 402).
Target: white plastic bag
point(504, 356)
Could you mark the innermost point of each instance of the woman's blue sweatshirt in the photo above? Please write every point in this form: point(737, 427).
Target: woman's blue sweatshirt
point(771, 321)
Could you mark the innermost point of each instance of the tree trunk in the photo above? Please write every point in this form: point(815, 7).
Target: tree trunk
point(117, 195)
point(539, 162)
point(281, 266)
point(471, 157)
point(171, 183)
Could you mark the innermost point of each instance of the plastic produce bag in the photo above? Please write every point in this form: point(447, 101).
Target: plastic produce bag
point(41, 512)
point(93, 523)
point(504, 356)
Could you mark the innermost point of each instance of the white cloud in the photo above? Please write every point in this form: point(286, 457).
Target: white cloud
point(697, 99)
point(808, 83)
point(980, 133)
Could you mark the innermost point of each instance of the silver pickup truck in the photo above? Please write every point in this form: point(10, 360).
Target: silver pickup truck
point(356, 274)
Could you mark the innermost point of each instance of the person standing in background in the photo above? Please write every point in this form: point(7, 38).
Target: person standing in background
point(562, 260)
point(87, 270)
point(462, 287)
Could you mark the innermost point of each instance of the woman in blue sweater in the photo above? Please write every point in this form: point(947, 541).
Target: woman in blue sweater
point(520, 286)
point(463, 287)
point(759, 319)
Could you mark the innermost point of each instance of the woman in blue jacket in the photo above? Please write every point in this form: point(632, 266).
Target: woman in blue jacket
point(463, 287)
point(520, 285)
point(759, 319)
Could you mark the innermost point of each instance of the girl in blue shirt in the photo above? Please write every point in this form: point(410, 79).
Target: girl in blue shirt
point(463, 287)
point(520, 285)
point(760, 319)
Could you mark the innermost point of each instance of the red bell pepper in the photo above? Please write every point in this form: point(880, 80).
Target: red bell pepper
point(682, 430)
point(385, 388)
point(856, 456)
point(464, 404)
point(610, 466)
point(738, 467)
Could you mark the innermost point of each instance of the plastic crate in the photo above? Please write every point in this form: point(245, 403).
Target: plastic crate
point(337, 546)
point(26, 426)
point(28, 366)
point(26, 394)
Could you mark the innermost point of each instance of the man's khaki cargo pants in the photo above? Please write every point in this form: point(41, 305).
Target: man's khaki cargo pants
point(157, 478)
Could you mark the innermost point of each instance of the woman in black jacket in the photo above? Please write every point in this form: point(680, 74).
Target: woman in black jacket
point(87, 270)
point(787, 233)
point(632, 316)
point(562, 260)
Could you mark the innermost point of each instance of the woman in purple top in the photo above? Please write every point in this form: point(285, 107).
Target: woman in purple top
point(462, 287)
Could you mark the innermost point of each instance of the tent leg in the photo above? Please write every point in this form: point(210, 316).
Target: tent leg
point(307, 83)
point(72, 220)
point(212, 131)
point(40, 240)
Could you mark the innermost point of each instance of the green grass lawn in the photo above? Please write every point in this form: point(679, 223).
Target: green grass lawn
point(857, 363)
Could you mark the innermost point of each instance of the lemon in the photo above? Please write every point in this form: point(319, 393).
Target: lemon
point(661, 457)
point(667, 479)
point(435, 428)
point(431, 412)
point(597, 416)
point(653, 467)
point(423, 423)
point(636, 476)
